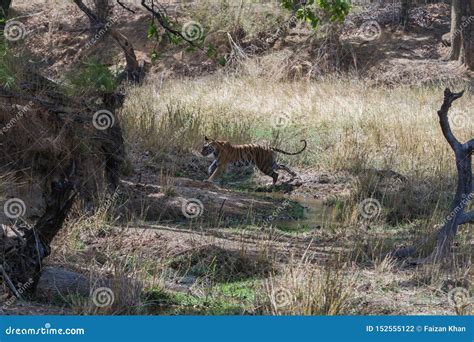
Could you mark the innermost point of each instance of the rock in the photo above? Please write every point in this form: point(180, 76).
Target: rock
point(188, 280)
point(56, 281)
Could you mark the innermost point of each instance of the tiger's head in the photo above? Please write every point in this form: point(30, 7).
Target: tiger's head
point(209, 147)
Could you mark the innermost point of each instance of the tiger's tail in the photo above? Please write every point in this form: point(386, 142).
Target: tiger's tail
point(289, 153)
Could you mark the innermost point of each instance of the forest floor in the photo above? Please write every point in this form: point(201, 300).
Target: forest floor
point(174, 244)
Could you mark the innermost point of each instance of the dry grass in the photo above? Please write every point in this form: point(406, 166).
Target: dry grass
point(348, 126)
point(251, 17)
point(121, 294)
point(232, 280)
point(305, 289)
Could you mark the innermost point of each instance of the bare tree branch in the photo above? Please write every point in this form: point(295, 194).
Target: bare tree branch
point(449, 98)
point(125, 7)
point(159, 15)
point(470, 145)
point(457, 216)
point(92, 17)
point(132, 69)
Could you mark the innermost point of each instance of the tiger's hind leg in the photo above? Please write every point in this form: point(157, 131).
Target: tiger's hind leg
point(287, 169)
point(274, 176)
point(269, 171)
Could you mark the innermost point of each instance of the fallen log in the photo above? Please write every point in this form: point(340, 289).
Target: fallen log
point(56, 282)
point(22, 257)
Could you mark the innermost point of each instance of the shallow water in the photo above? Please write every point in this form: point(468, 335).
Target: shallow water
point(316, 214)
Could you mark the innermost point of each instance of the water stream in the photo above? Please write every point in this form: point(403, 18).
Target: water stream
point(316, 214)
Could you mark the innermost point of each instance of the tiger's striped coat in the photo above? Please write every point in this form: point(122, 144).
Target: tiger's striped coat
point(264, 158)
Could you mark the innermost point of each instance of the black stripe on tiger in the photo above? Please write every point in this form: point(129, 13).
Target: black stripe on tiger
point(262, 157)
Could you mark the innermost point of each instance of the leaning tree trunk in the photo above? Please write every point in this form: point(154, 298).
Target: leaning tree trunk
point(133, 70)
point(23, 248)
point(454, 33)
point(405, 14)
point(467, 34)
point(462, 32)
point(22, 259)
point(464, 192)
point(102, 8)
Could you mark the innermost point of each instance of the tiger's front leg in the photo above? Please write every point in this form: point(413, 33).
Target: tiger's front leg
point(218, 170)
point(212, 167)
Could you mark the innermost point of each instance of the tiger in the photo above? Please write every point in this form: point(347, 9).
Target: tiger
point(264, 158)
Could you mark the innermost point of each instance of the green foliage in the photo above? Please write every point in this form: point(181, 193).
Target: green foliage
point(315, 11)
point(234, 298)
point(211, 51)
point(154, 34)
point(152, 31)
point(154, 55)
point(91, 77)
point(11, 66)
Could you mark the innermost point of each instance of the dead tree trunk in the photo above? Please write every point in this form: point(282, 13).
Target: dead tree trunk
point(22, 259)
point(405, 14)
point(467, 35)
point(133, 69)
point(22, 250)
point(463, 155)
point(455, 50)
point(102, 8)
point(462, 32)
point(464, 192)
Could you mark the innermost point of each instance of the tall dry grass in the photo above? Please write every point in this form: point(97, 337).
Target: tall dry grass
point(347, 124)
point(254, 18)
point(302, 288)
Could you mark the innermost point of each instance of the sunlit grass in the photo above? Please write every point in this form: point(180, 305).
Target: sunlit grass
point(347, 125)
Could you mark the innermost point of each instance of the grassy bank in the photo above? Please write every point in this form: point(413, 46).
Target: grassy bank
point(347, 125)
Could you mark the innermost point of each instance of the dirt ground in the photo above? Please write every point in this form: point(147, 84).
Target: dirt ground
point(152, 219)
point(56, 40)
